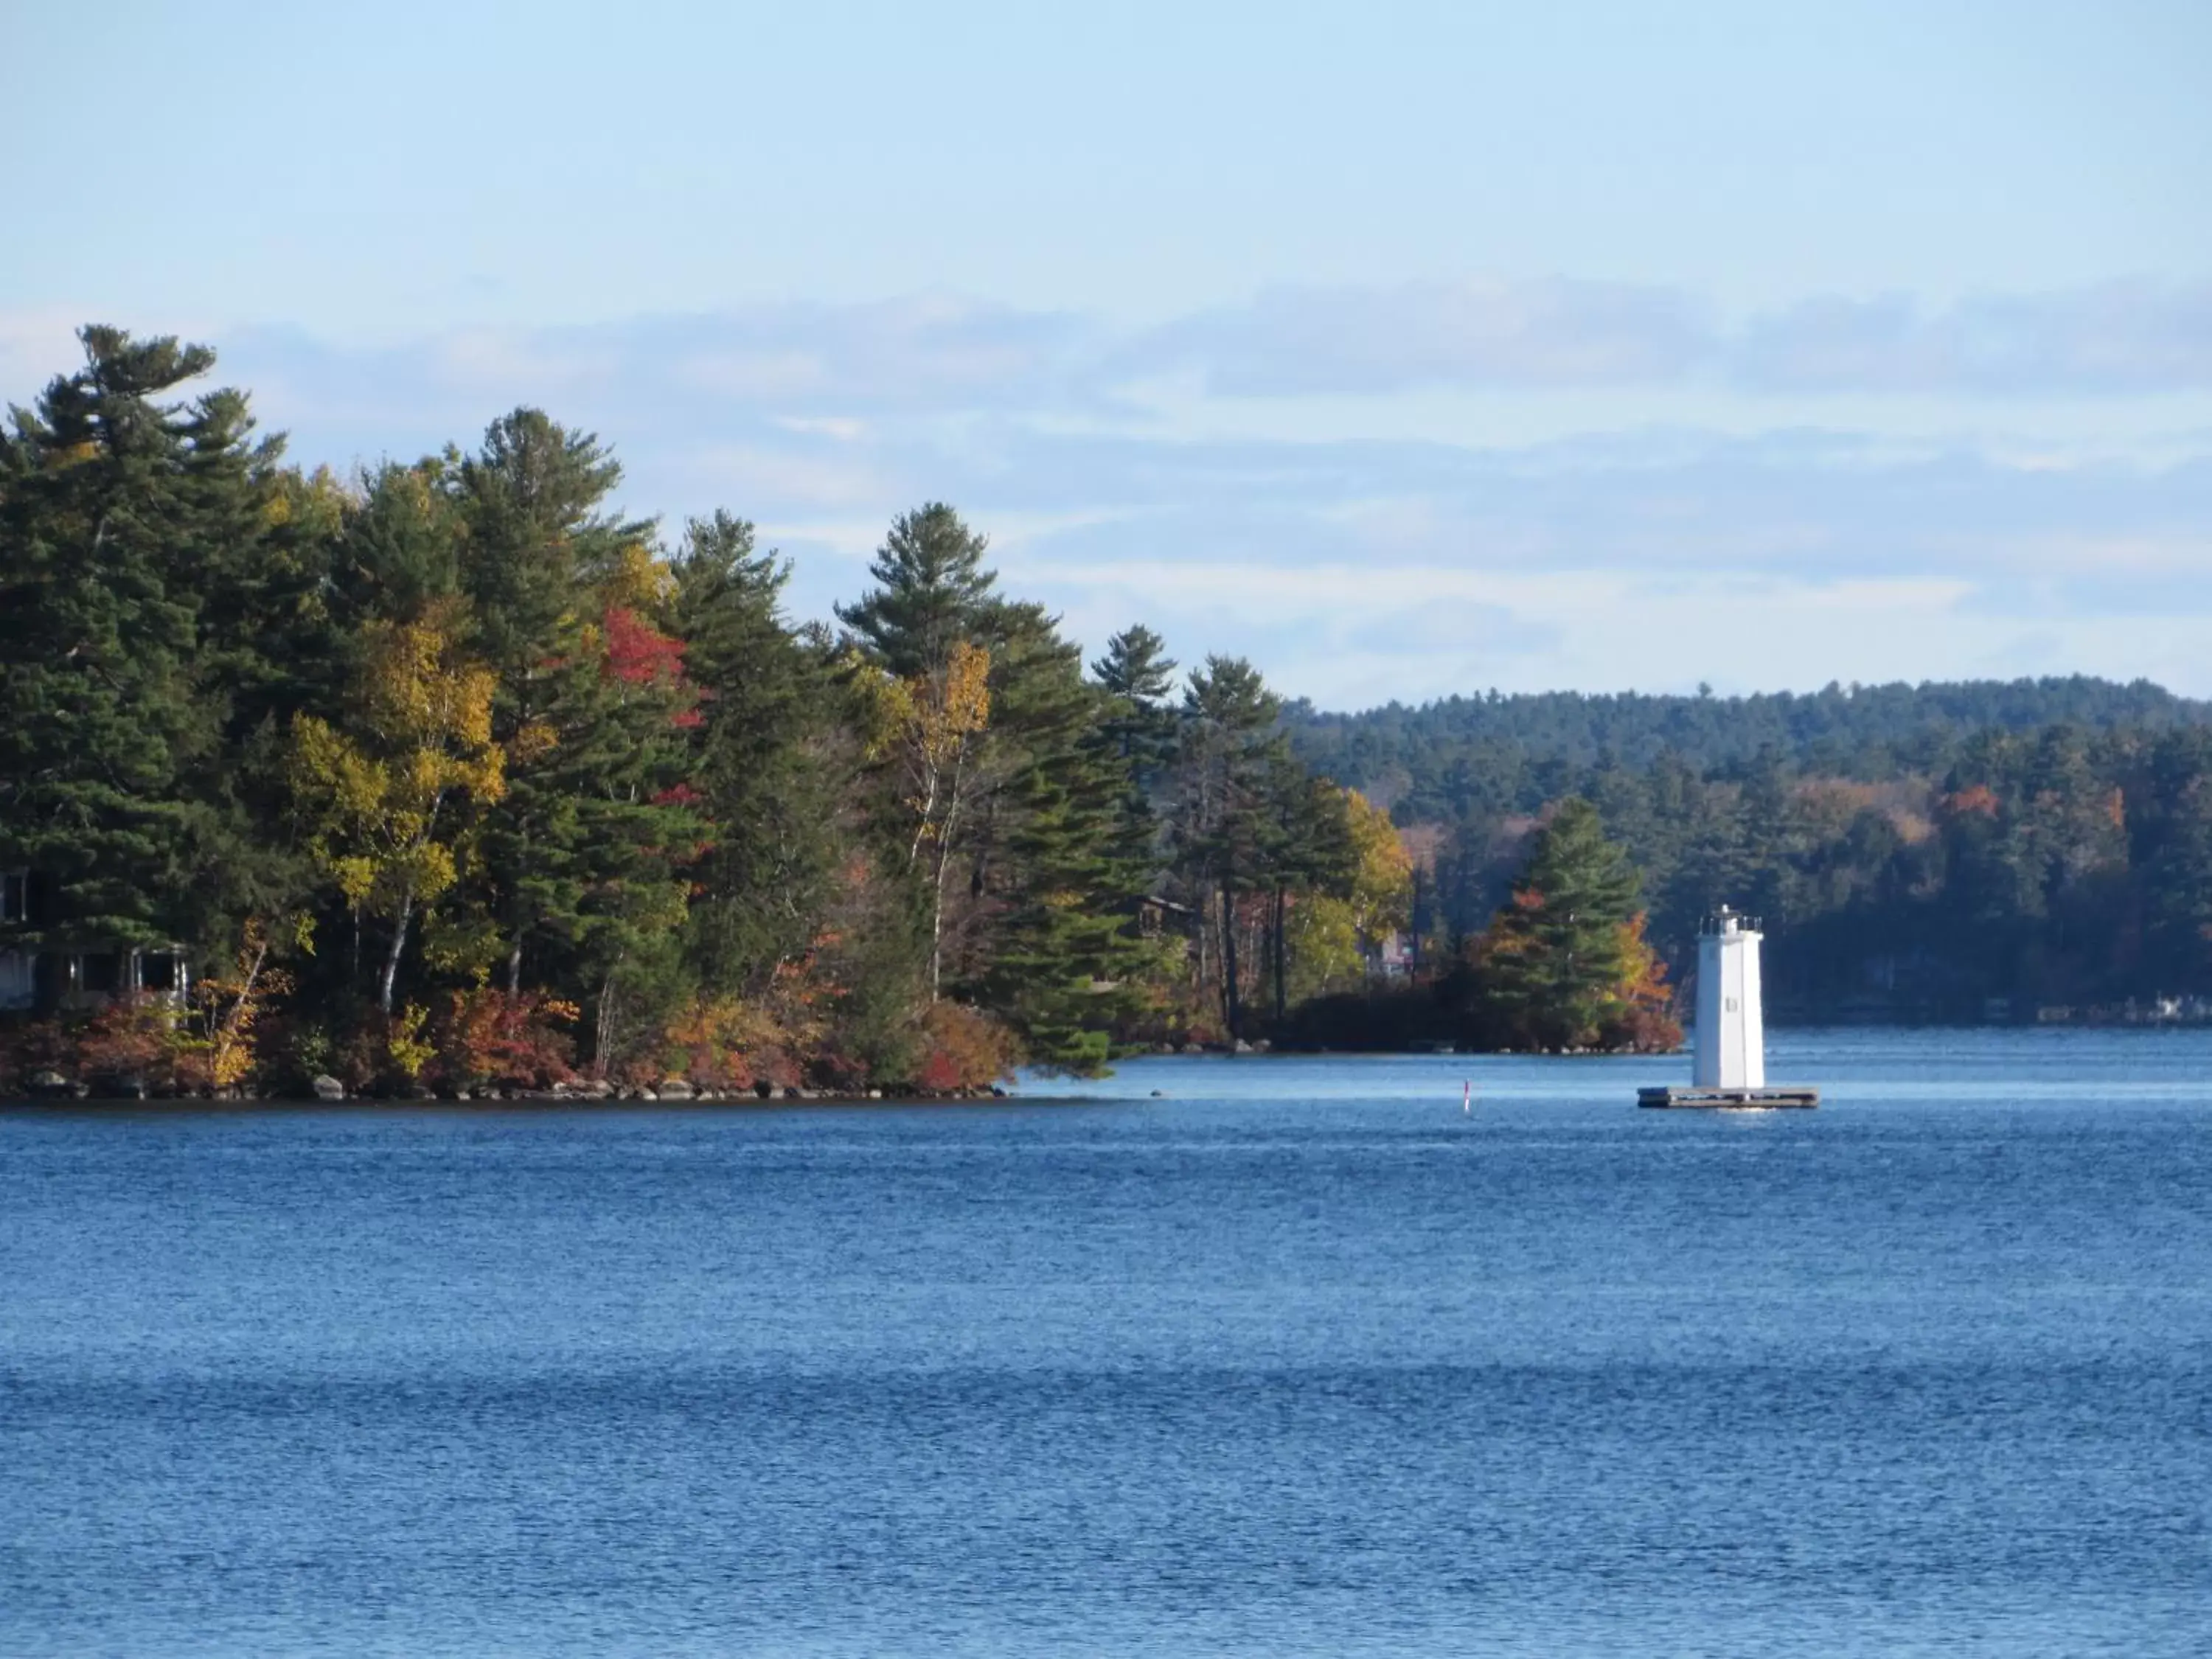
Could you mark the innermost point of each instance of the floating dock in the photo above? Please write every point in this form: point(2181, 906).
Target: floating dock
point(1740, 1100)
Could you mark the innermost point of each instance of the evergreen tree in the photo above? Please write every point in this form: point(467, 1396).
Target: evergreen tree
point(117, 512)
point(401, 546)
point(616, 820)
point(533, 497)
point(560, 588)
point(1557, 964)
point(1138, 675)
point(1220, 835)
point(1053, 868)
point(1139, 726)
point(271, 644)
point(926, 631)
point(768, 764)
point(1307, 849)
point(931, 594)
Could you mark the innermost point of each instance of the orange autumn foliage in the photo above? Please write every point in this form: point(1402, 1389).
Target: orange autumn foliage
point(967, 1049)
point(1979, 800)
point(1642, 1017)
point(487, 1039)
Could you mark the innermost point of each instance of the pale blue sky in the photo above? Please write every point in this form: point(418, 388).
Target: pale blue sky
point(1406, 348)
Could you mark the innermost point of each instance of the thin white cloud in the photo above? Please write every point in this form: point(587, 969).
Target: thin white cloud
point(1384, 566)
point(2116, 337)
point(2113, 338)
point(934, 357)
point(1292, 342)
point(791, 475)
point(842, 428)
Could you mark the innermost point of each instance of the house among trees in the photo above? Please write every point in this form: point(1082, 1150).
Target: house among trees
point(1157, 916)
point(72, 976)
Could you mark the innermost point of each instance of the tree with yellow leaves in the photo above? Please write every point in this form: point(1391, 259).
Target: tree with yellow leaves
point(1332, 935)
point(934, 720)
point(227, 1006)
point(1383, 874)
point(377, 800)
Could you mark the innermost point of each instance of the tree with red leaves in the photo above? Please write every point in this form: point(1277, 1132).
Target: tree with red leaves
point(638, 654)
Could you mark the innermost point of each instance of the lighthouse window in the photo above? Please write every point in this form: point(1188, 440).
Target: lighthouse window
point(1731, 1004)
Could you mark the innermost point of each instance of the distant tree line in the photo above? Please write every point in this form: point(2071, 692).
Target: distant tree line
point(1943, 852)
point(1500, 752)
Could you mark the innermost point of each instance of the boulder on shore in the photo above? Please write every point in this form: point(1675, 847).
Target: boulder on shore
point(327, 1087)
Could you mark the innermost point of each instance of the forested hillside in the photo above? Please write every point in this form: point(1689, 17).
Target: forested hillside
point(1989, 850)
point(1501, 753)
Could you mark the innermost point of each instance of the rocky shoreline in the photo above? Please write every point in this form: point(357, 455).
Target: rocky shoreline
point(52, 1085)
point(51, 1088)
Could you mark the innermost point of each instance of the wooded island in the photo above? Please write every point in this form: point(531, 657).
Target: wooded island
point(448, 775)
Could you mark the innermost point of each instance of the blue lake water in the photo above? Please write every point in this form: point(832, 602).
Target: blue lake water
point(1299, 1359)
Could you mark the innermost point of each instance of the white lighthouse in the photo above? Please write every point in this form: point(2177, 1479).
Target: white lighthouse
point(1730, 1063)
point(1731, 1051)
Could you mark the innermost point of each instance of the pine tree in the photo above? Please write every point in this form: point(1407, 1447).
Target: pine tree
point(769, 765)
point(925, 632)
point(1556, 967)
point(543, 564)
point(1139, 726)
point(1055, 870)
point(1306, 849)
point(622, 759)
point(931, 594)
point(533, 499)
point(1013, 800)
point(401, 546)
point(1137, 673)
point(117, 513)
point(1219, 838)
point(270, 646)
